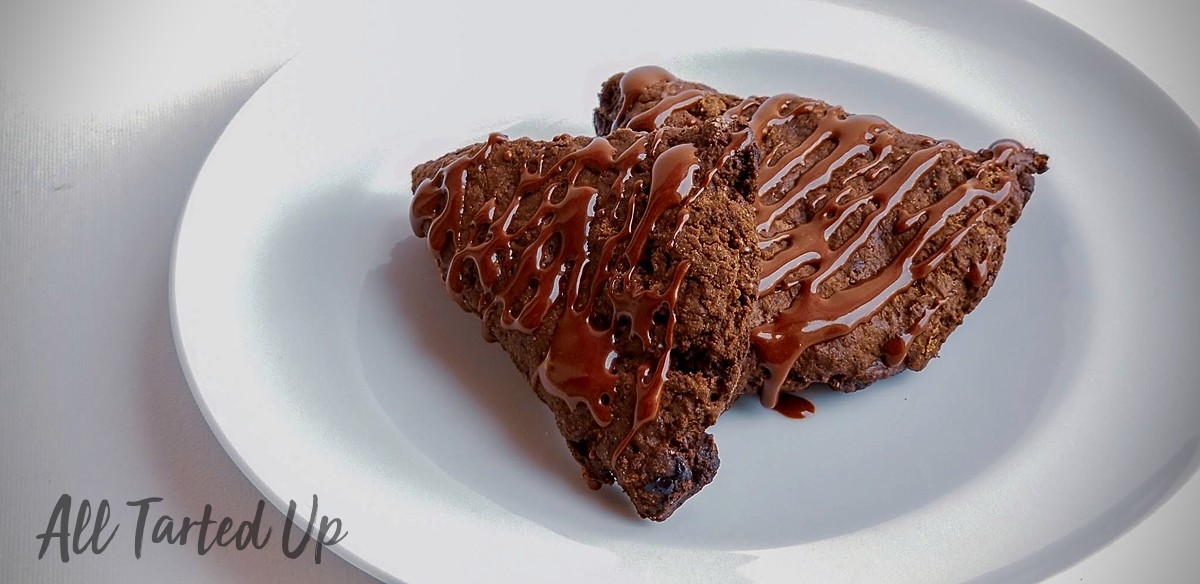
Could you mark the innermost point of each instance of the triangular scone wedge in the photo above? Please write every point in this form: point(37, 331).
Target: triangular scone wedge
point(619, 274)
point(877, 243)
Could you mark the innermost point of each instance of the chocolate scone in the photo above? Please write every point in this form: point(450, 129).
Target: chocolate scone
point(619, 274)
point(876, 243)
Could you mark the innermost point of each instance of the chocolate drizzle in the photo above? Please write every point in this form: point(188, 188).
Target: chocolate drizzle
point(978, 273)
point(896, 349)
point(634, 84)
point(798, 230)
point(581, 366)
point(651, 119)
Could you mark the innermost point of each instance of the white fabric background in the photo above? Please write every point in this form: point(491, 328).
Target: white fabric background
point(107, 110)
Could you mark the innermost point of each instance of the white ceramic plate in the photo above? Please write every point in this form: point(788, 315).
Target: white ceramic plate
point(328, 359)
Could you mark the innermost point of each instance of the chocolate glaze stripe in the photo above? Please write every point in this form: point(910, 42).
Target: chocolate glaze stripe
point(651, 119)
point(810, 241)
point(978, 273)
point(580, 366)
point(853, 136)
point(633, 85)
point(811, 318)
point(896, 349)
point(437, 204)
